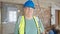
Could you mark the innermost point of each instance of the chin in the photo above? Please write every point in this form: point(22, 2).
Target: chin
point(30, 15)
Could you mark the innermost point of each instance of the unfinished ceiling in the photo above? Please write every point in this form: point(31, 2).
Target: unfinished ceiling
point(42, 2)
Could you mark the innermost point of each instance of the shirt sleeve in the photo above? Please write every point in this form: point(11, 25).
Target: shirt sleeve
point(17, 25)
point(40, 25)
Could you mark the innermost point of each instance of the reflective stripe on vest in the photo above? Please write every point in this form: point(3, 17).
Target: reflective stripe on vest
point(22, 25)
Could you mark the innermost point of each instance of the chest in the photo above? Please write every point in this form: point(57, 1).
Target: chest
point(31, 25)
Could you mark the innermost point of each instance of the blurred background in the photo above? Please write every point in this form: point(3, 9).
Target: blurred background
point(47, 10)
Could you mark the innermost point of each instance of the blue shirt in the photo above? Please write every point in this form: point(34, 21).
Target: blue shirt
point(31, 26)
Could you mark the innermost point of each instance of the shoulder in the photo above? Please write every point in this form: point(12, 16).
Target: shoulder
point(19, 18)
point(38, 19)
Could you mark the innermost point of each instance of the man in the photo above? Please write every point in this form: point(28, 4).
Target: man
point(28, 24)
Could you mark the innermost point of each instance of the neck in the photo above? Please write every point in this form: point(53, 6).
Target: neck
point(28, 17)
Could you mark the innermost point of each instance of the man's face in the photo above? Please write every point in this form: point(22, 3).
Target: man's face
point(28, 11)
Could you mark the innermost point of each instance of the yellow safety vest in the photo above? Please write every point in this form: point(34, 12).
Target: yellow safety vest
point(22, 25)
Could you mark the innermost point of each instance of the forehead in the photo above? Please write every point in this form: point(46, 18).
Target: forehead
point(28, 8)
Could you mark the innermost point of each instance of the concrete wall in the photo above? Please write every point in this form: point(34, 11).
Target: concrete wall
point(0, 20)
point(8, 27)
point(41, 2)
point(0, 17)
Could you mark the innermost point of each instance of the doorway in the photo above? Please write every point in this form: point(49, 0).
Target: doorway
point(57, 15)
